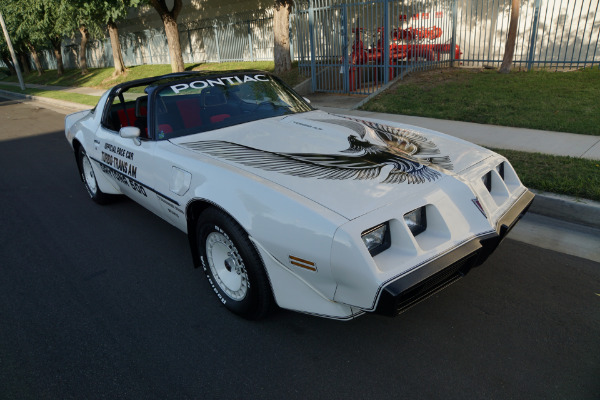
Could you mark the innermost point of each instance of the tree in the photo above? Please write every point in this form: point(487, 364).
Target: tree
point(34, 23)
point(35, 56)
point(5, 55)
point(117, 54)
point(281, 33)
point(25, 16)
point(57, 22)
point(82, 49)
point(509, 50)
point(169, 18)
point(98, 14)
point(24, 61)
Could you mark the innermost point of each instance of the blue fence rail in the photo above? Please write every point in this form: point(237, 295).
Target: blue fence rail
point(356, 46)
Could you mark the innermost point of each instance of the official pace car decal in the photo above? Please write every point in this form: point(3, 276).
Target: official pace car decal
point(413, 158)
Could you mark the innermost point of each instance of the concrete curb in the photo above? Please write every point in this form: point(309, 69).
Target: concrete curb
point(578, 211)
point(46, 100)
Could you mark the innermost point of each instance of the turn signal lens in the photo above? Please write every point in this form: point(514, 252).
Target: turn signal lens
point(416, 220)
point(377, 239)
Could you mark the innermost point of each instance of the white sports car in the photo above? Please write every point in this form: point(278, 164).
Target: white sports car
point(329, 215)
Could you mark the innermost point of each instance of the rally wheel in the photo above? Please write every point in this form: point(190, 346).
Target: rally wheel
point(89, 178)
point(232, 265)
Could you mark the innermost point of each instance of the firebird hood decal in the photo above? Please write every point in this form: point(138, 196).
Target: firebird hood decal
point(408, 143)
point(367, 163)
point(412, 157)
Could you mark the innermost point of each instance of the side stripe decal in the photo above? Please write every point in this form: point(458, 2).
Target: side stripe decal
point(100, 163)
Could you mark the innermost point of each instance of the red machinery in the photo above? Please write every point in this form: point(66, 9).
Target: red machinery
point(408, 51)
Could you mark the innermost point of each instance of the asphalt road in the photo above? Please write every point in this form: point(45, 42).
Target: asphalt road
point(102, 302)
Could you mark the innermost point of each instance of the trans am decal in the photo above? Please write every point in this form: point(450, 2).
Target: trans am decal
point(413, 158)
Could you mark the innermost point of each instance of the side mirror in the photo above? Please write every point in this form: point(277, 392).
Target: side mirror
point(130, 132)
point(306, 100)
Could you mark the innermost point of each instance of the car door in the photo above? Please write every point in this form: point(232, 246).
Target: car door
point(127, 162)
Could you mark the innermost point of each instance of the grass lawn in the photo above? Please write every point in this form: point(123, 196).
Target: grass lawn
point(575, 177)
point(556, 101)
point(102, 77)
point(74, 97)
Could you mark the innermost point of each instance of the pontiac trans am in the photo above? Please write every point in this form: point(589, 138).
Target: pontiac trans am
point(331, 215)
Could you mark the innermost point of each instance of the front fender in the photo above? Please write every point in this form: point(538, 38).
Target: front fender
point(284, 226)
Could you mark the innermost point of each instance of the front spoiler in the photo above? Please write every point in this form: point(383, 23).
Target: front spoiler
point(407, 291)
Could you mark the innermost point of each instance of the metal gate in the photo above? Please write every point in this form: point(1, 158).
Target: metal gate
point(356, 46)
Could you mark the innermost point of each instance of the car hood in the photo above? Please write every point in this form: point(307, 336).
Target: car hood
point(350, 165)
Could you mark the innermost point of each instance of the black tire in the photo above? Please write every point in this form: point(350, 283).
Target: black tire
point(89, 178)
point(232, 265)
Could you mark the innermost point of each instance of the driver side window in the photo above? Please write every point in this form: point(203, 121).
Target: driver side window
point(128, 108)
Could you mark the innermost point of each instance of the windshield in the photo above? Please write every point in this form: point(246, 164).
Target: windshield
point(211, 103)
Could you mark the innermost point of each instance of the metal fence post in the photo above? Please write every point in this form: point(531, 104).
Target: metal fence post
point(217, 43)
point(250, 45)
point(313, 63)
point(453, 40)
point(533, 35)
point(149, 43)
point(190, 45)
point(386, 41)
point(290, 33)
point(344, 32)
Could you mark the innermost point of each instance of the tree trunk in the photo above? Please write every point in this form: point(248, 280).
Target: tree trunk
point(113, 32)
point(82, 50)
point(24, 63)
point(174, 45)
point(281, 32)
point(36, 59)
point(169, 19)
point(9, 65)
point(56, 47)
point(509, 50)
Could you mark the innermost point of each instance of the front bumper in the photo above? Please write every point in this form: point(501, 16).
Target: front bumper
point(407, 291)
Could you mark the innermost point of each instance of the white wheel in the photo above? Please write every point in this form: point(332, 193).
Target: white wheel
point(232, 265)
point(226, 266)
point(89, 178)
